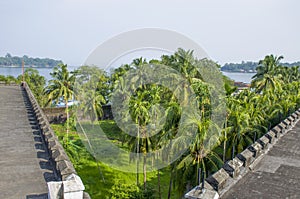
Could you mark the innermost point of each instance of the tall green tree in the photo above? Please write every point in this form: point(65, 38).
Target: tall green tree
point(92, 90)
point(36, 83)
point(267, 76)
point(61, 86)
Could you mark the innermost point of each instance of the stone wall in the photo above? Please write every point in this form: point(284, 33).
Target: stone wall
point(55, 115)
point(217, 184)
point(69, 186)
point(3, 83)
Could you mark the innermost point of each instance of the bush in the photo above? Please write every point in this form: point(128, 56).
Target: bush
point(121, 190)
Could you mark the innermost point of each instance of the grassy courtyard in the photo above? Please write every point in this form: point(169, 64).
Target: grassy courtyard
point(100, 180)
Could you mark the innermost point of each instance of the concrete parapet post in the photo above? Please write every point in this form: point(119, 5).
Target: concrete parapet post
point(283, 127)
point(42, 123)
point(53, 150)
point(287, 123)
point(271, 136)
point(48, 137)
point(45, 129)
point(295, 116)
point(52, 143)
point(71, 188)
point(86, 195)
point(277, 131)
point(57, 155)
point(218, 180)
point(40, 118)
point(55, 190)
point(65, 168)
point(246, 157)
point(207, 193)
point(264, 142)
point(291, 119)
point(255, 148)
point(232, 167)
point(38, 115)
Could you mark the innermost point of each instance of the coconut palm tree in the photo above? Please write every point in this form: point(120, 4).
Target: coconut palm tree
point(294, 73)
point(61, 86)
point(140, 144)
point(199, 155)
point(238, 131)
point(91, 104)
point(267, 76)
point(92, 91)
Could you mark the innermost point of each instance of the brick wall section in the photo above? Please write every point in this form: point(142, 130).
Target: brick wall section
point(222, 180)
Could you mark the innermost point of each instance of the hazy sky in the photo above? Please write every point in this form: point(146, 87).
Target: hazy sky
point(228, 30)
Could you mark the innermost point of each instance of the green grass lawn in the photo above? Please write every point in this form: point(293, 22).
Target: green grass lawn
point(102, 181)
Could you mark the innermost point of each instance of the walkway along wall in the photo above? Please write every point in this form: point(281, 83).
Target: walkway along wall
point(221, 181)
point(69, 184)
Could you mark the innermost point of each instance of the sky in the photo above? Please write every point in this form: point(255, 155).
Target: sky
point(228, 30)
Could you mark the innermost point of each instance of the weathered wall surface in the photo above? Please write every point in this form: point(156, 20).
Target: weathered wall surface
point(56, 115)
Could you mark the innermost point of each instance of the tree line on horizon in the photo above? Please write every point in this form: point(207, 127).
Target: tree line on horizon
point(9, 60)
point(249, 66)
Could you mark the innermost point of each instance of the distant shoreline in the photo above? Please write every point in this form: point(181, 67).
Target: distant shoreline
point(26, 66)
point(227, 71)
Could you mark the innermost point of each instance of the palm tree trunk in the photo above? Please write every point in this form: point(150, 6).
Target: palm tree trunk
point(224, 147)
point(170, 184)
point(224, 151)
point(158, 183)
point(145, 171)
point(137, 154)
point(67, 111)
point(225, 140)
point(198, 173)
point(233, 152)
